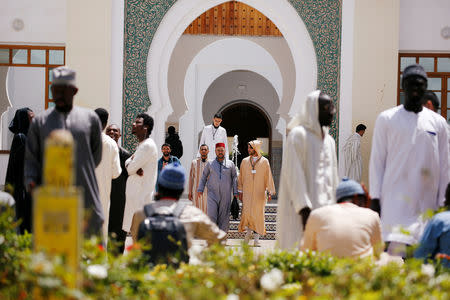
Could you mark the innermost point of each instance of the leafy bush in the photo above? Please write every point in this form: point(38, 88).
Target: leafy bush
point(220, 273)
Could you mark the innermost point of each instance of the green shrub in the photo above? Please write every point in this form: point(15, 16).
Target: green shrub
point(224, 273)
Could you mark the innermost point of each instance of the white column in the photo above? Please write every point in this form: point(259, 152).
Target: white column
point(117, 28)
point(346, 87)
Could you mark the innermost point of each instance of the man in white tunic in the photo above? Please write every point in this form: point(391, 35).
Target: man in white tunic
point(409, 164)
point(197, 167)
point(352, 154)
point(108, 169)
point(309, 172)
point(142, 170)
point(213, 134)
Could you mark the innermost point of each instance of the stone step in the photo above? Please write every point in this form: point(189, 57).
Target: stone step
point(241, 235)
point(270, 227)
point(268, 217)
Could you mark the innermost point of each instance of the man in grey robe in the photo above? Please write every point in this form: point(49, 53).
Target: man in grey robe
point(85, 127)
point(220, 178)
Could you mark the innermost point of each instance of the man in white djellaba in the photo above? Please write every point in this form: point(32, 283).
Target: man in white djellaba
point(352, 154)
point(409, 164)
point(309, 175)
point(108, 169)
point(213, 134)
point(142, 169)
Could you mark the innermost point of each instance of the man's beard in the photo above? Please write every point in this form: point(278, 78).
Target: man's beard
point(166, 154)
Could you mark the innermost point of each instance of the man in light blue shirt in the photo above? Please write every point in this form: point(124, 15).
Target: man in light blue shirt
point(436, 236)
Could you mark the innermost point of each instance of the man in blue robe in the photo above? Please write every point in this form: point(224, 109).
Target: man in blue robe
point(220, 177)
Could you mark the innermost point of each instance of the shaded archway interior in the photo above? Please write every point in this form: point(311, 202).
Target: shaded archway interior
point(249, 122)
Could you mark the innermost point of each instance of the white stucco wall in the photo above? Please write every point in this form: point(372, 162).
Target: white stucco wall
point(421, 22)
point(183, 12)
point(189, 45)
point(44, 21)
point(88, 50)
point(374, 66)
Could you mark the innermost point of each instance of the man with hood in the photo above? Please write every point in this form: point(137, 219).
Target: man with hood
point(409, 164)
point(255, 181)
point(173, 139)
point(15, 171)
point(309, 171)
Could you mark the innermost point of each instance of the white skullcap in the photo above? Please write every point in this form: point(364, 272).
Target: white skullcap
point(64, 76)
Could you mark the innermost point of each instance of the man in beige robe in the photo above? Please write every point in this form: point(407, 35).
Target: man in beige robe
point(255, 180)
point(197, 167)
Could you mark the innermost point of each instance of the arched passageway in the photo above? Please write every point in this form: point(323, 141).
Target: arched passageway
point(249, 122)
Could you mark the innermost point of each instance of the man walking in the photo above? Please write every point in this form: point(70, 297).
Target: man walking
point(255, 180)
point(352, 154)
point(142, 170)
point(118, 192)
point(213, 134)
point(107, 170)
point(197, 167)
point(309, 174)
point(165, 159)
point(409, 164)
point(220, 178)
point(85, 128)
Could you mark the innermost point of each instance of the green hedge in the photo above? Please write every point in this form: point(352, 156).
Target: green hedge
point(223, 273)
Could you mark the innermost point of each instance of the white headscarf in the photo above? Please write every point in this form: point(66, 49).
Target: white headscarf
point(308, 116)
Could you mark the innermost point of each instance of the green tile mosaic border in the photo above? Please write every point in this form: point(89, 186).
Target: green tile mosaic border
point(142, 18)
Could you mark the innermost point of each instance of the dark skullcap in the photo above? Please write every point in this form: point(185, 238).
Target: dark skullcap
point(414, 70)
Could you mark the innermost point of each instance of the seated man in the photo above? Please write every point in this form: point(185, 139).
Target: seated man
point(435, 241)
point(345, 229)
point(196, 223)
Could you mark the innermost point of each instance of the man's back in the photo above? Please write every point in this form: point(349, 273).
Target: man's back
point(85, 128)
point(436, 238)
point(343, 230)
point(196, 223)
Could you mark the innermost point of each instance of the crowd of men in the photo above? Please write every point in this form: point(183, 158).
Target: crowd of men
point(409, 174)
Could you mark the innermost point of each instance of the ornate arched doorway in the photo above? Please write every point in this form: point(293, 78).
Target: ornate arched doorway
point(249, 122)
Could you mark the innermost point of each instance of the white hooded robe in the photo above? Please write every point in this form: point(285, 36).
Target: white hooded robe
point(309, 175)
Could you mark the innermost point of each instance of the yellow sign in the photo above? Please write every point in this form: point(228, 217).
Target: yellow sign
point(58, 226)
point(58, 159)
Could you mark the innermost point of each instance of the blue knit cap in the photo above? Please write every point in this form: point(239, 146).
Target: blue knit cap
point(348, 188)
point(172, 177)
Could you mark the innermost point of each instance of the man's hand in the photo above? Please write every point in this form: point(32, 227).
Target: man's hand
point(140, 172)
point(375, 206)
point(304, 213)
point(190, 196)
point(200, 194)
point(240, 196)
point(31, 186)
point(269, 197)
